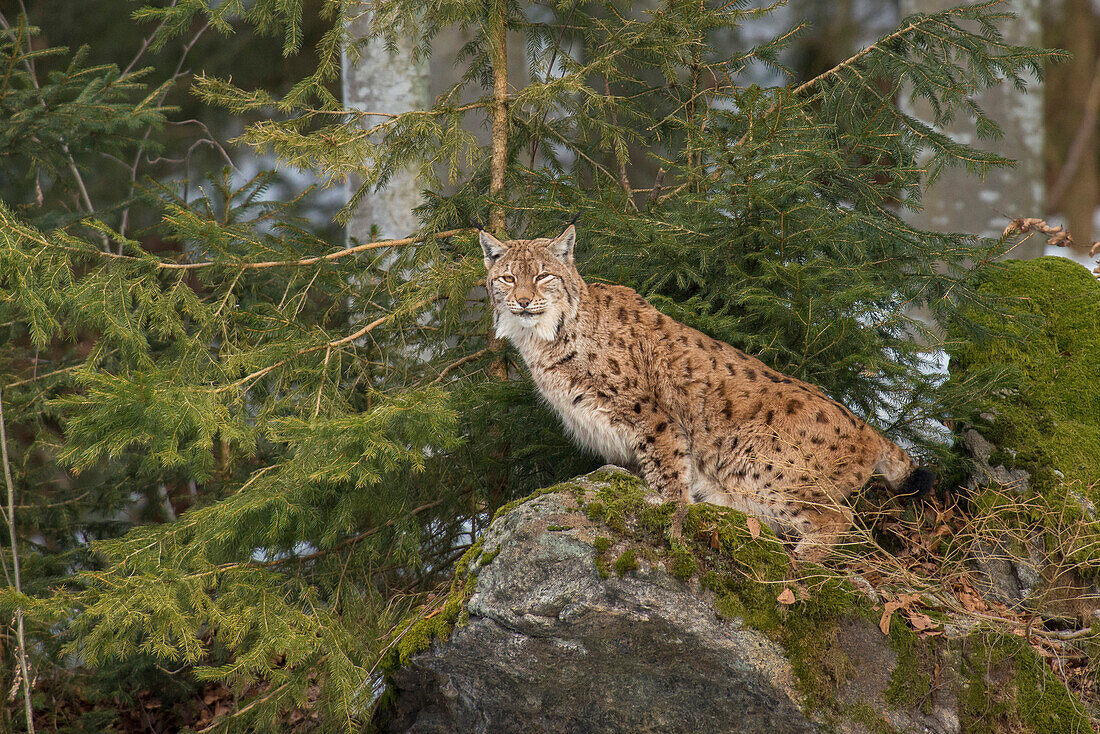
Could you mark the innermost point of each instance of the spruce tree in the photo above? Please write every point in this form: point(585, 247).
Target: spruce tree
point(338, 422)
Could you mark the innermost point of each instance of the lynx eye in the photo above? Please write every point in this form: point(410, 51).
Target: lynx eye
point(544, 277)
point(508, 279)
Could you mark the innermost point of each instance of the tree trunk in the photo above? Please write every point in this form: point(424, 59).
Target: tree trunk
point(962, 202)
point(376, 80)
point(1079, 192)
point(497, 220)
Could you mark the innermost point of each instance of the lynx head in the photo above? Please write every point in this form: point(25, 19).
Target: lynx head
point(533, 284)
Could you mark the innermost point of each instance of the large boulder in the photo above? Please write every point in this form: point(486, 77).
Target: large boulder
point(575, 614)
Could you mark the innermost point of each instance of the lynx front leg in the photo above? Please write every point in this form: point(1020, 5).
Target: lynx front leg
point(665, 464)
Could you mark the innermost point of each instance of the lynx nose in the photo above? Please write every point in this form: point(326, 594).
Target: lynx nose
point(523, 302)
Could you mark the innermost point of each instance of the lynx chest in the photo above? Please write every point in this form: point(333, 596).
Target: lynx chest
point(572, 394)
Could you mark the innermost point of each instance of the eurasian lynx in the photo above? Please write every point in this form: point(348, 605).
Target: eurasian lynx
point(700, 420)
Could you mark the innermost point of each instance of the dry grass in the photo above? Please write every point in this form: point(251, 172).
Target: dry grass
point(922, 559)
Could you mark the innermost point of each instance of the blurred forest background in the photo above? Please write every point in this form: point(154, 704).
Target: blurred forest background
point(1060, 144)
point(198, 433)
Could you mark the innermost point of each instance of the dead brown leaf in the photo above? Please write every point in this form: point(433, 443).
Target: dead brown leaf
point(887, 614)
point(920, 621)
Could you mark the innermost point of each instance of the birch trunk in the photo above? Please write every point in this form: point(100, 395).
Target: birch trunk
point(376, 80)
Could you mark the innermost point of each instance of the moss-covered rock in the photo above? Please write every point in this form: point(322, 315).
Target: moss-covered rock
point(587, 616)
point(1040, 548)
point(1008, 687)
point(1050, 420)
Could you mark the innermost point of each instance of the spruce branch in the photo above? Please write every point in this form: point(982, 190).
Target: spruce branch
point(45, 242)
point(309, 350)
point(460, 362)
point(78, 178)
point(549, 69)
point(624, 180)
point(852, 60)
point(343, 544)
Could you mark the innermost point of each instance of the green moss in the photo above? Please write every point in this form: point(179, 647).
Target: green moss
point(865, 714)
point(1050, 420)
point(619, 495)
point(419, 632)
point(595, 511)
point(808, 634)
point(620, 482)
point(657, 518)
point(1009, 687)
point(1044, 702)
point(487, 558)
point(602, 543)
point(626, 562)
point(473, 553)
point(558, 528)
point(509, 506)
point(682, 563)
point(763, 556)
point(911, 680)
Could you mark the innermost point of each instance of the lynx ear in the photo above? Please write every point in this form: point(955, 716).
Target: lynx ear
point(562, 247)
point(492, 247)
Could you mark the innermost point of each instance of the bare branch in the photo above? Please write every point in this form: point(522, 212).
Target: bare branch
point(21, 653)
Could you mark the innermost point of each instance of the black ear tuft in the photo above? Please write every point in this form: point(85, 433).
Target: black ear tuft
point(576, 218)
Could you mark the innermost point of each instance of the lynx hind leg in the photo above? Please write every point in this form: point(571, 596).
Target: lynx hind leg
point(901, 474)
point(820, 529)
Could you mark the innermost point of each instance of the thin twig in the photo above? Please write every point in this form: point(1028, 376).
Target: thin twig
point(29, 64)
point(465, 360)
point(352, 540)
point(145, 42)
point(36, 378)
point(549, 70)
point(834, 70)
point(267, 264)
point(328, 345)
point(176, 74)
point(20, 635)
point(623, 178)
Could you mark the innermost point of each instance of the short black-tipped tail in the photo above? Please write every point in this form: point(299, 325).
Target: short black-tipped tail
point(918, 484)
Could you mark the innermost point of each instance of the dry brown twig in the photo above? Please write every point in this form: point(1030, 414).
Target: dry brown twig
point(1056, 236)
